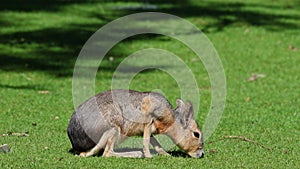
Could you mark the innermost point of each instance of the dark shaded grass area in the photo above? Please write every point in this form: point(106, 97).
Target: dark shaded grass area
point(71, 37)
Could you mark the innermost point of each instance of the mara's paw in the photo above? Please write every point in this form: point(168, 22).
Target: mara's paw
point(139, 154)
point(148, 155)
point(165, 154)
point(135, 154)
point(83, 154)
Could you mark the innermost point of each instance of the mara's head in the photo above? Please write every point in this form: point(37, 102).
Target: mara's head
point(187, 134)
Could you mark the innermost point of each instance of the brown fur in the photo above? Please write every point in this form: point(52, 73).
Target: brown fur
point(146, 105)
point(164, 122)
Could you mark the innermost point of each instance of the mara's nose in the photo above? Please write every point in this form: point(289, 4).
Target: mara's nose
point(200, 155)
point(197, 154)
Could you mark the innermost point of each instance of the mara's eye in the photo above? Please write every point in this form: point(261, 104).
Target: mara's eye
point(196, 134)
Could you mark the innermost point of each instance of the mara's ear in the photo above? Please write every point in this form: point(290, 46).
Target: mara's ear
point(180, 106)
point(189, 114)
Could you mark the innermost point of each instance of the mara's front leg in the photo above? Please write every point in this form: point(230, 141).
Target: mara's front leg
point(158, 148)
point(146, 140)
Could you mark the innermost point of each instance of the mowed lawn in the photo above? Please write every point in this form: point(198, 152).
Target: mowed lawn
point(258, 43)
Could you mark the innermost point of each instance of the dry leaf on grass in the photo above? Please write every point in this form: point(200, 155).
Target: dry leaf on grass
point(111, 58)
point(292, 48)
point(43, 92)
point(256, 76)
point(4, 148)
point(213, 150)
point(15, 134)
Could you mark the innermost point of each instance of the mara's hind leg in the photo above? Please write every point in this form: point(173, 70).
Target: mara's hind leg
point(101, 144)
point(109, 149)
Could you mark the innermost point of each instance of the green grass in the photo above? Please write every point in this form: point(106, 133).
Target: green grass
point(40, 41)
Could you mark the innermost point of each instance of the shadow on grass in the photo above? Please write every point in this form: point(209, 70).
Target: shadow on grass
point(172, 153)
point(230, 13)
point(37, 5)
point(23, 87)
point(49, 50)
point(178, 154)
point(58, 48)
